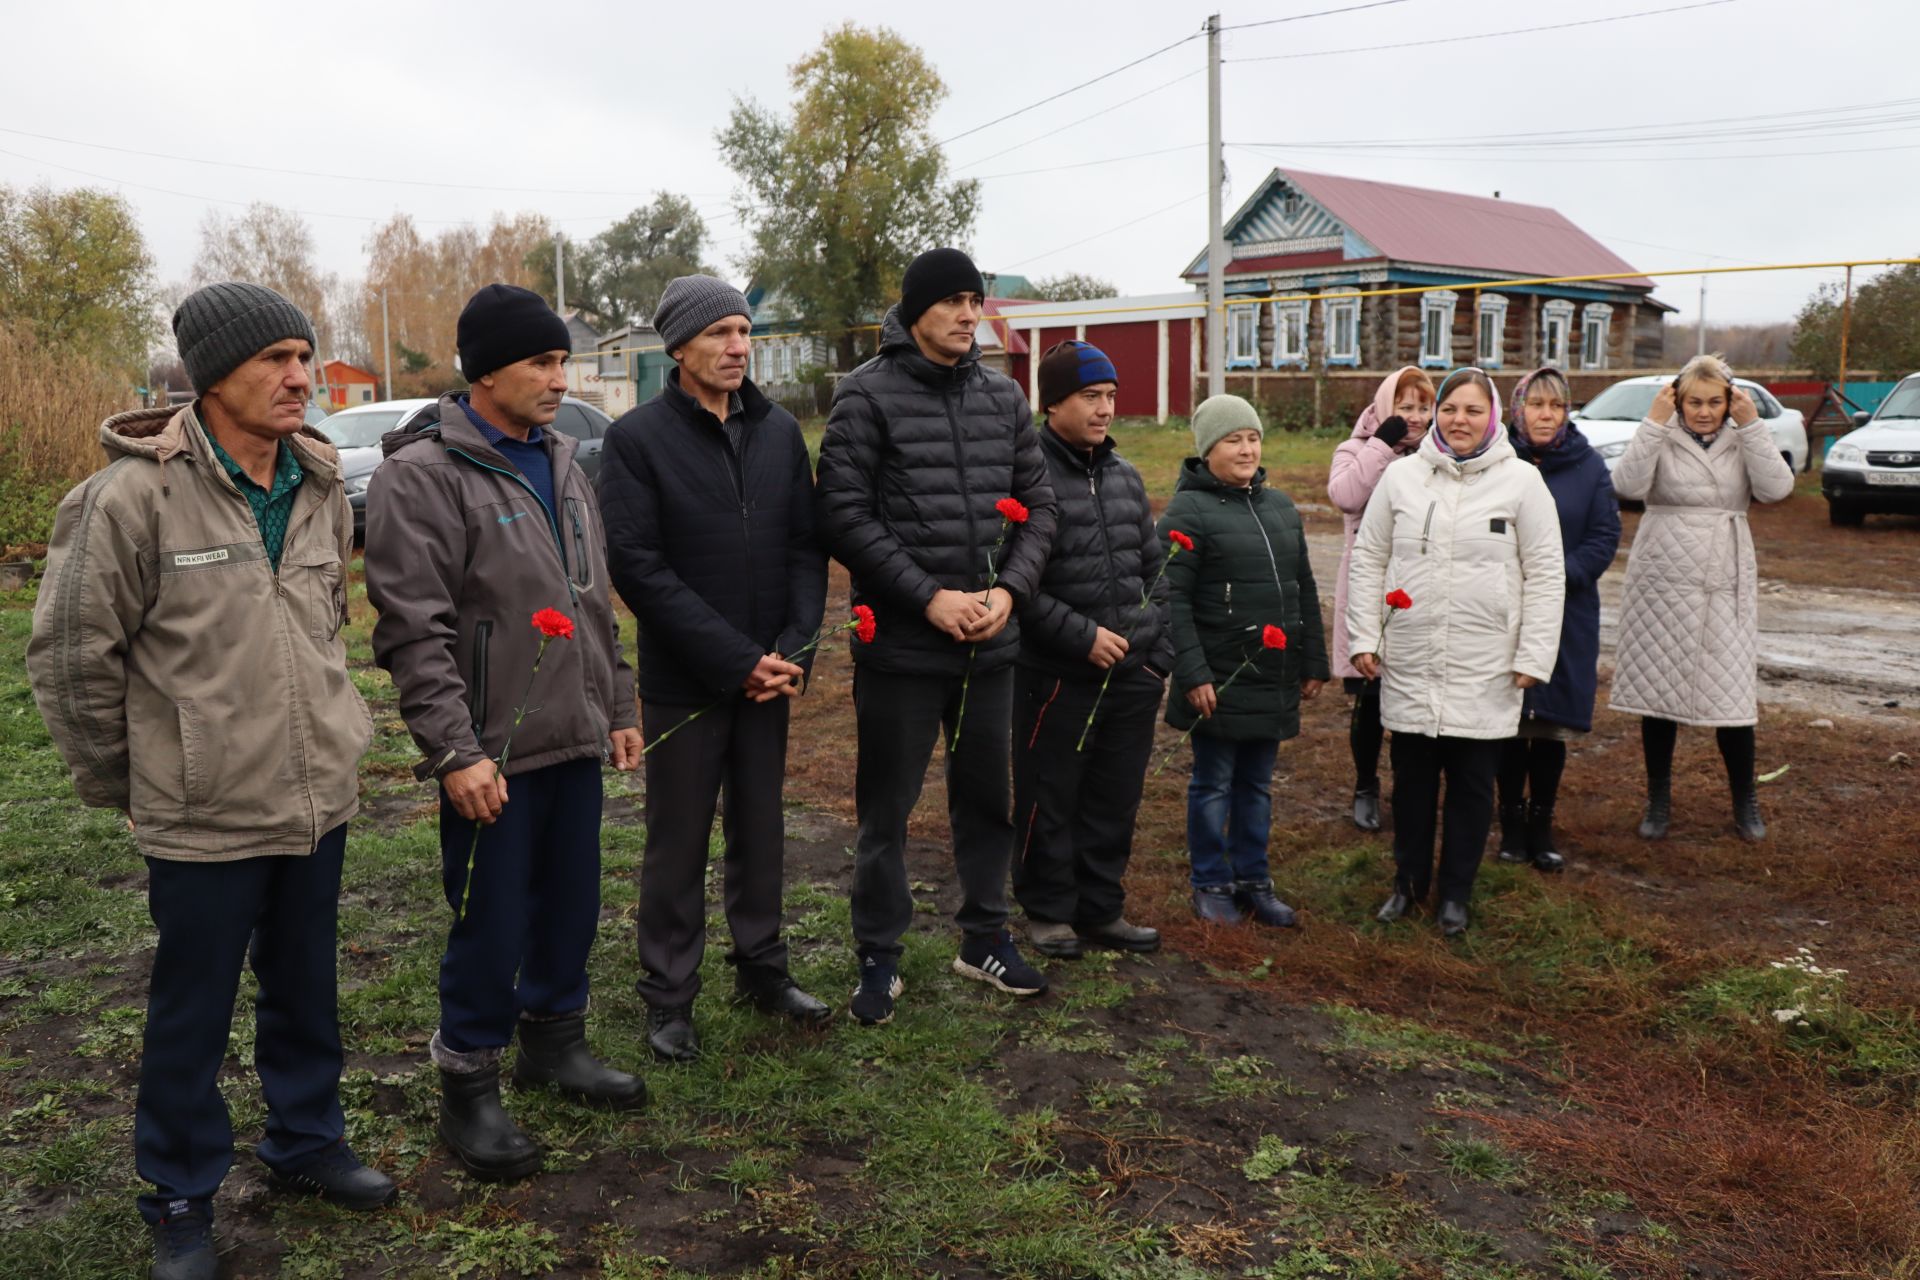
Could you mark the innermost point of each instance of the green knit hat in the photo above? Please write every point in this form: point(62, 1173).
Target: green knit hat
point(1219, 417)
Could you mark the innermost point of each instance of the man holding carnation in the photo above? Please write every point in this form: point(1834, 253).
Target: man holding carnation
point(708, 495)
point(481, 528)
point(935, 496)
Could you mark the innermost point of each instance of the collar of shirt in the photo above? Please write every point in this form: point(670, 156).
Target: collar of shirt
point(494, 434)
point(286, 470)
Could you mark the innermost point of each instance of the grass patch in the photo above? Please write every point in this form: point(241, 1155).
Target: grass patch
point(1807, 1006)
point(1400, 1044)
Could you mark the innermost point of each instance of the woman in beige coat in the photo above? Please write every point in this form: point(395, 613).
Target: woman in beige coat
point(1689, 622)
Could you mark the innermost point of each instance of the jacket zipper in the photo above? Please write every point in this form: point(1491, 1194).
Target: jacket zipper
point(960, 467)
point(553, 525)
point(1428, 526)
point(482, 634)
point(1273, 564)
point(739, 473)
point(1106, 540)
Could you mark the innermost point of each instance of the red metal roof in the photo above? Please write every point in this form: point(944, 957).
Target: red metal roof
point(1474, 233)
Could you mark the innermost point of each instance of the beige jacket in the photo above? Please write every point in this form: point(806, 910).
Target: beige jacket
point(183, 680)
point(1690, 614)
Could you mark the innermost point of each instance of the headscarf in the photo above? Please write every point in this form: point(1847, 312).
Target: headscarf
point(1381, 408)
point(1517, 413)
point(1494, 425)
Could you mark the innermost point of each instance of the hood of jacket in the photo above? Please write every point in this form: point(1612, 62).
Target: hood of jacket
point(1196, 475)
point(1495, 453)
point(1570, 452)
point(897, 341)
point(1381, 408)
point(448, 424)
point(162, 434)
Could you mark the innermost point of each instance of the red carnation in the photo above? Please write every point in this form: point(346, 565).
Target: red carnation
point(1272, 637)
point(864, 626)
point(553, 624)
point(1012, 510)
point(1180, 539)
point(1398, 599)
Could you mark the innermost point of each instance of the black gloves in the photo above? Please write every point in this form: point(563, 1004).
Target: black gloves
point(1391, 432)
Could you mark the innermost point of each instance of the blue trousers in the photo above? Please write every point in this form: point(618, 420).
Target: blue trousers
point(1229, 809)
point(535, 905)
point(281, 914)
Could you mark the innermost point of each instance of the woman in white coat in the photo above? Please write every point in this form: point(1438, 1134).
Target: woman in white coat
point(1464, 539)
point(1689, 618)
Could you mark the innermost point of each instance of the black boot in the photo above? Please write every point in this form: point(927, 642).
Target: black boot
point(1659, 810)
point(775, 992)
point(554, 1051)
point(1257, 899)
point(1513, 832)
point(478, 1129)
point(670, 1033)
point(1746, 813)
point(1453, 919)
point(1540, 840)
point(1366, 806)
point(1215, 905)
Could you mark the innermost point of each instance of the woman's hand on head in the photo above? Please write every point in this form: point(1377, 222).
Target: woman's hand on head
point(1663, 404)
point(1744, 412)
point(1367, 664)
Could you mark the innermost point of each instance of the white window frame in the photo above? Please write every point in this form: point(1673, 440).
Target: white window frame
point(1596, 324)
point(1493, 306)
point(1243, 352)
point(1332, 315)
point(783, 367)
point(1437, 302)
point(1553, 349)
point(1283, 352)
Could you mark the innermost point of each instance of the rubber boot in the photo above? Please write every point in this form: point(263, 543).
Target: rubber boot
point(1540, 841)
point(1746, 813)
point(478, 1129)
point(554, 1051)
point(1513, 832)
point(1653, 826)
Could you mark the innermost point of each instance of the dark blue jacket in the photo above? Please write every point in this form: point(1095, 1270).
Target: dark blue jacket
point(1590, 533)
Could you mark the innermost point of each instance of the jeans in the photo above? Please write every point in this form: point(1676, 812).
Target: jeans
point(1229, 809)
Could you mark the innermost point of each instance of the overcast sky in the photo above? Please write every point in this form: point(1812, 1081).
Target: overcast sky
point(582, 109)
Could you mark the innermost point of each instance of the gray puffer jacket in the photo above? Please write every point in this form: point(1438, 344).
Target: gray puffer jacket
point(915, 457)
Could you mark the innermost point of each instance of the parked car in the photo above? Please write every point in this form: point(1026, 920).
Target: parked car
point(356, 432)
point(315, 414)
point(1609, 420)
point(1875, 468)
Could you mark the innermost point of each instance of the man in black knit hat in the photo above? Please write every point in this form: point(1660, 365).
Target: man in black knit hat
point(475, 524)
point(708, 495)
point(1095, 650)
point(922, 444)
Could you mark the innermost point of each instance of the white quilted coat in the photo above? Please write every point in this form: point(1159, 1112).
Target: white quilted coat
point(1476, 544)
point(1689, 620)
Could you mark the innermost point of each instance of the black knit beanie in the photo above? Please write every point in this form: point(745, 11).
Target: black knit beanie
point(936, 274)
point(503, 323)
point(1068, 366)
point(220, 327)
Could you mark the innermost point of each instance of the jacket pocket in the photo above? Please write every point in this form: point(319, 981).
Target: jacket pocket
point(477, 678)
point(578, 545)
point(195, 793)
point(316, 582)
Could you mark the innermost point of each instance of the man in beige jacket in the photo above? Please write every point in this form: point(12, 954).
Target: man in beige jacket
point(187, 658)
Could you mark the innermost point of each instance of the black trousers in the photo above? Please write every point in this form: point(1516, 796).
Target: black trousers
point(1467, 815)
point(280, 915)
point(1364, 731)
point(899, 717)
point(738, 749)
point(1073, 808)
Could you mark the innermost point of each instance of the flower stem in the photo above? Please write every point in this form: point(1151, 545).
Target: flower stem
point(1146, 596)
point(1227, 684)
point(500, 765)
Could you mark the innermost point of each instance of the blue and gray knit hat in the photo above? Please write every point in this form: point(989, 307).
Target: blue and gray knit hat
point(1069, 366)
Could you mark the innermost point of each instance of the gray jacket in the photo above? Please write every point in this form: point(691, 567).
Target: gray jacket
point(461, 553)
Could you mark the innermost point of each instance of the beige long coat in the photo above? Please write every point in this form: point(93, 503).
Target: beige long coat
point(1689, 618)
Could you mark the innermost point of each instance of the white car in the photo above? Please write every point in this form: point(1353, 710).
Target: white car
point(356, 433)
point(1609, 420)
point(1876, 467)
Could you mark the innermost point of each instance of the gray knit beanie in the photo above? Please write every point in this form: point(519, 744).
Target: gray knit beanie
point(1218, 417)
point(220, 327)
point(690, 304)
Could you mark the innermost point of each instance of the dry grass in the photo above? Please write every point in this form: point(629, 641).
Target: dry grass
point(51, 407)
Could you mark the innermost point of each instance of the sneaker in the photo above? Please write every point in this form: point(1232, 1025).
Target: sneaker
point(336, 1175)
point(994, 960)
point(183, 1244)
point(880, 986)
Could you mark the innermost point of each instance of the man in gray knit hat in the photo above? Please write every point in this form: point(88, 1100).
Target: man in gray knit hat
point(219, 529)
point(707, 494)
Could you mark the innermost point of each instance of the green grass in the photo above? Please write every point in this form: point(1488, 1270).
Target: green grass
point(1401, 1045)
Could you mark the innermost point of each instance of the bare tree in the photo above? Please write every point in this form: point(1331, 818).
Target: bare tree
point(271, 246)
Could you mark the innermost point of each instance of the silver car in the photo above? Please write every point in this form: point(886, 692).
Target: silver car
point(1875, 468)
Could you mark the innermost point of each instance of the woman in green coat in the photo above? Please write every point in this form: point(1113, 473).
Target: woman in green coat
point(1247, 571)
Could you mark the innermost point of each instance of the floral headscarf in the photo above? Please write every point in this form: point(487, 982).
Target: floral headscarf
point(1517, 411)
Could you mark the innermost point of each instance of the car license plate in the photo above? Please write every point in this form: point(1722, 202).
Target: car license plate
point(1893, 477)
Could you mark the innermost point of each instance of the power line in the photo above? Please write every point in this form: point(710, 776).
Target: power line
point(1110, 230)
point(1057, 130)
point(1780, 132)
point(1087, 164)
point(1678, 157)
point(1055, 97)
point(1483, 35)
point(1302, 17)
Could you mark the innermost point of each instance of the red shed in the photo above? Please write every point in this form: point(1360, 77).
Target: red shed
point(1150, 340)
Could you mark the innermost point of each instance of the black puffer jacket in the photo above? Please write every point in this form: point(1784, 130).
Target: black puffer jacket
point(714, 553)
point(915, 456)
point(1104, 555)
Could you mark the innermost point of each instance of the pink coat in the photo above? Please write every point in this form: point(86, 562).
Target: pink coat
point(1358, 464)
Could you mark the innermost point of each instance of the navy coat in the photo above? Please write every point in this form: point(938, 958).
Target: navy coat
point(1590, 533)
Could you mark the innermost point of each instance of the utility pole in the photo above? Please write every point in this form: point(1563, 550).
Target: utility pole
point(1846, 324)
point(559, 277)
point(386, 345)
point(1216, 242)
point(1701, 349)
